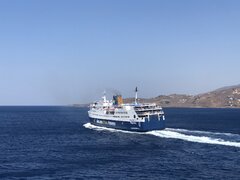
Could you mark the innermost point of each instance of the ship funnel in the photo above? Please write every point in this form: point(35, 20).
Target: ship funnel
point(117, 100)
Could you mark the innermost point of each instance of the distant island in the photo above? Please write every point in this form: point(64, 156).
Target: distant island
point(226, 97)
point(220, 98)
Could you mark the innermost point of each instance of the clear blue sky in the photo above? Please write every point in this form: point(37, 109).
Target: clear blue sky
point(64, 52)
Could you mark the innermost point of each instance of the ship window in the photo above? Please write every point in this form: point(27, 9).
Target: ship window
point(134, 116)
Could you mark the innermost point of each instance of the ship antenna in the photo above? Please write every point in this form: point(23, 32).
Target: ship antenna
point(136, 90)
point(104, 96)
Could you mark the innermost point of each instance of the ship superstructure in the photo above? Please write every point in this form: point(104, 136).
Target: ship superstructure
point(134, 117)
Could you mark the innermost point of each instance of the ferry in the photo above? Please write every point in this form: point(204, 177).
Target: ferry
point(135, 116)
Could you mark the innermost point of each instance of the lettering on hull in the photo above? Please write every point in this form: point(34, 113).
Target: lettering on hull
point(106, 122)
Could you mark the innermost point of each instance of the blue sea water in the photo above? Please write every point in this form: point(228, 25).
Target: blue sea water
point(58, 143)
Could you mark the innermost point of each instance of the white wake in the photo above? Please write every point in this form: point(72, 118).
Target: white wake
point(98, 128)
point(226, 139)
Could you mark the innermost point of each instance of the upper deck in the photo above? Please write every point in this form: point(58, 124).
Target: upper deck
point(116, 106)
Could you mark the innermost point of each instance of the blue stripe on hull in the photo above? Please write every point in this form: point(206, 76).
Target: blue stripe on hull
point(152, 124)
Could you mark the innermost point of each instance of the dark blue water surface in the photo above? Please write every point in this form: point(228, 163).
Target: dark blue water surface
point(52, 143)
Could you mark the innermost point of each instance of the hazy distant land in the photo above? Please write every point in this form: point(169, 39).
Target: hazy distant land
point(226, 97)
point(223, 97)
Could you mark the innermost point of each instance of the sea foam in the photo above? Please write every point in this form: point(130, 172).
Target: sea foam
point(183, 134)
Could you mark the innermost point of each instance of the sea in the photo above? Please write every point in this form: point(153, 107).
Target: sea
point(57, 142)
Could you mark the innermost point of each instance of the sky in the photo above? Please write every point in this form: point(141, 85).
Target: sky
point(60, 52)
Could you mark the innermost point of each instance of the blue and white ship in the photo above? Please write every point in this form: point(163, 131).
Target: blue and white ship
point(131, 117)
